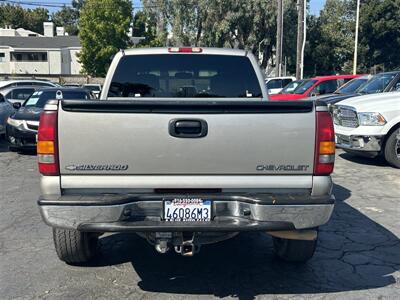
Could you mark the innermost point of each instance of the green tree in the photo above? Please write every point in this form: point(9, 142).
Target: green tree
point(13, 15)
point(330, 39)
point(223, 23)
point(18, 17)
point(143, 26)
point(379, 34)
point(290, 35)
point(103, 25)
point(34, 19)
point(156, 12)
point(67, 17)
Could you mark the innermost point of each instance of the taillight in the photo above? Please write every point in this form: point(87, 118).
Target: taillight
point(324, 144)
point(47, 147)
point(185, 49)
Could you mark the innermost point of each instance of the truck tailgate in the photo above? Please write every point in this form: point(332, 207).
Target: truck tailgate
point(133, 138)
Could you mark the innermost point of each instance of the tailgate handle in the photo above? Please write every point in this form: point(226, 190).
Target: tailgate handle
point(188, 128)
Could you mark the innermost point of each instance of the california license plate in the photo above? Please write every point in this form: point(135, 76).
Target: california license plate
point(187, 210)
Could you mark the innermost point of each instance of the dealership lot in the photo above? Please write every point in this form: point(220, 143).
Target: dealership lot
point(358, 256)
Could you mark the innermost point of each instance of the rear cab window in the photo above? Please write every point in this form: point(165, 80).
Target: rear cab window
point(185, 76)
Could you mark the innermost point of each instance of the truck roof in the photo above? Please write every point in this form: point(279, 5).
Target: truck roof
point(175, 50)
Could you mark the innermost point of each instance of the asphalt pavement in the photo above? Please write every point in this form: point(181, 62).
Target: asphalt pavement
point(358, 255)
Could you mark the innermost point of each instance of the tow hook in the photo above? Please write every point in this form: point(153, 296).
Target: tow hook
point(187, 249)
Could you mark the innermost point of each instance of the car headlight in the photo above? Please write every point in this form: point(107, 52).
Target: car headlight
point(14, 122)
point(371, 119)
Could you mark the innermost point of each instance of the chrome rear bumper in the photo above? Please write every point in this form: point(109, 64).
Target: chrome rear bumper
point(231, 213)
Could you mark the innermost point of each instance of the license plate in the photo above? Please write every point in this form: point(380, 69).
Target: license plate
point(187, 210)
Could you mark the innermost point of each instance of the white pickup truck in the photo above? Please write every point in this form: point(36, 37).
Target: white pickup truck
point(185, 150)
point(369, 125)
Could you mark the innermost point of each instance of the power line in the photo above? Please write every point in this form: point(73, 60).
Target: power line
point(59, 4)
point(40, 4)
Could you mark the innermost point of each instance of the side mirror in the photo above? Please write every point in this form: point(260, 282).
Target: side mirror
point(17, 105)
point(2, 98)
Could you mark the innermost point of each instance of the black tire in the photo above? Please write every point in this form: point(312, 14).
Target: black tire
point(73, 246)
point(392, 149)
point(294, 250)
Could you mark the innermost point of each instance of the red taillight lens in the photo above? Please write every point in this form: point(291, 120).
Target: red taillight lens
point(47, 146)
point(185, 50)
point(324, 144)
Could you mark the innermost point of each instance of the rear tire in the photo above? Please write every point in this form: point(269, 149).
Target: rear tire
point(294, 250)
point(73, 246)
point(392, 149)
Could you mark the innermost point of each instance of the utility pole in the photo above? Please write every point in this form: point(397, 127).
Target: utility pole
point(279, 39)
point(301, 37)
point(356, 38)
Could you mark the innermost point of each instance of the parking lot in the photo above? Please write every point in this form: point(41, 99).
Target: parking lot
point(358, 256)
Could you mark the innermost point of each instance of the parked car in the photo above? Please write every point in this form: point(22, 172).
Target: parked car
point(19, 93)
point(291, 87)
point(380, 83)
point(6, 110)
point(316, 86)
point(349, 88)
point(179, 172)
point(93, 88)
point(22, 125)
point(24, 82)
point(71, 85)
point(276, 84)
point(369, 125)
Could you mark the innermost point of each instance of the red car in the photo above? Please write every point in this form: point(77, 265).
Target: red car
point(314, 87)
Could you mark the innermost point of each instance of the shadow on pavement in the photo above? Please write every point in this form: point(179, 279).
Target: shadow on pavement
point(3, 145)
point(4, 148)
point(369, 161)
point(354, 253)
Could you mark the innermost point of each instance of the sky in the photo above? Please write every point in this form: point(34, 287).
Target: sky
point(315, 5)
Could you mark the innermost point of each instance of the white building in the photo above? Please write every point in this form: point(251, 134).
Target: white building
point(26, 52)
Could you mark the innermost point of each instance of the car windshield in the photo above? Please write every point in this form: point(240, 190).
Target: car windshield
point(290, 88)
point(351, 86)
point(302, 88)
point(377, 84)
point(39, 98)
point(184, 75)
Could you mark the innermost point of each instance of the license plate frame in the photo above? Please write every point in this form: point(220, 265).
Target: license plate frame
point(193, 203)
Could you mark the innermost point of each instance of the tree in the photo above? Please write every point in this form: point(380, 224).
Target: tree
point(18, 17)
point(379, 34)
point(330, 43)
point(143, 26)
point(224, 23)
point(34, 19)
point(67, 17)
point(104, 25)
point(156, 12)
point(13, 15)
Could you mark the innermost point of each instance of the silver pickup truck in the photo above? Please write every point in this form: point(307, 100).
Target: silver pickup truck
point(185, 149)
